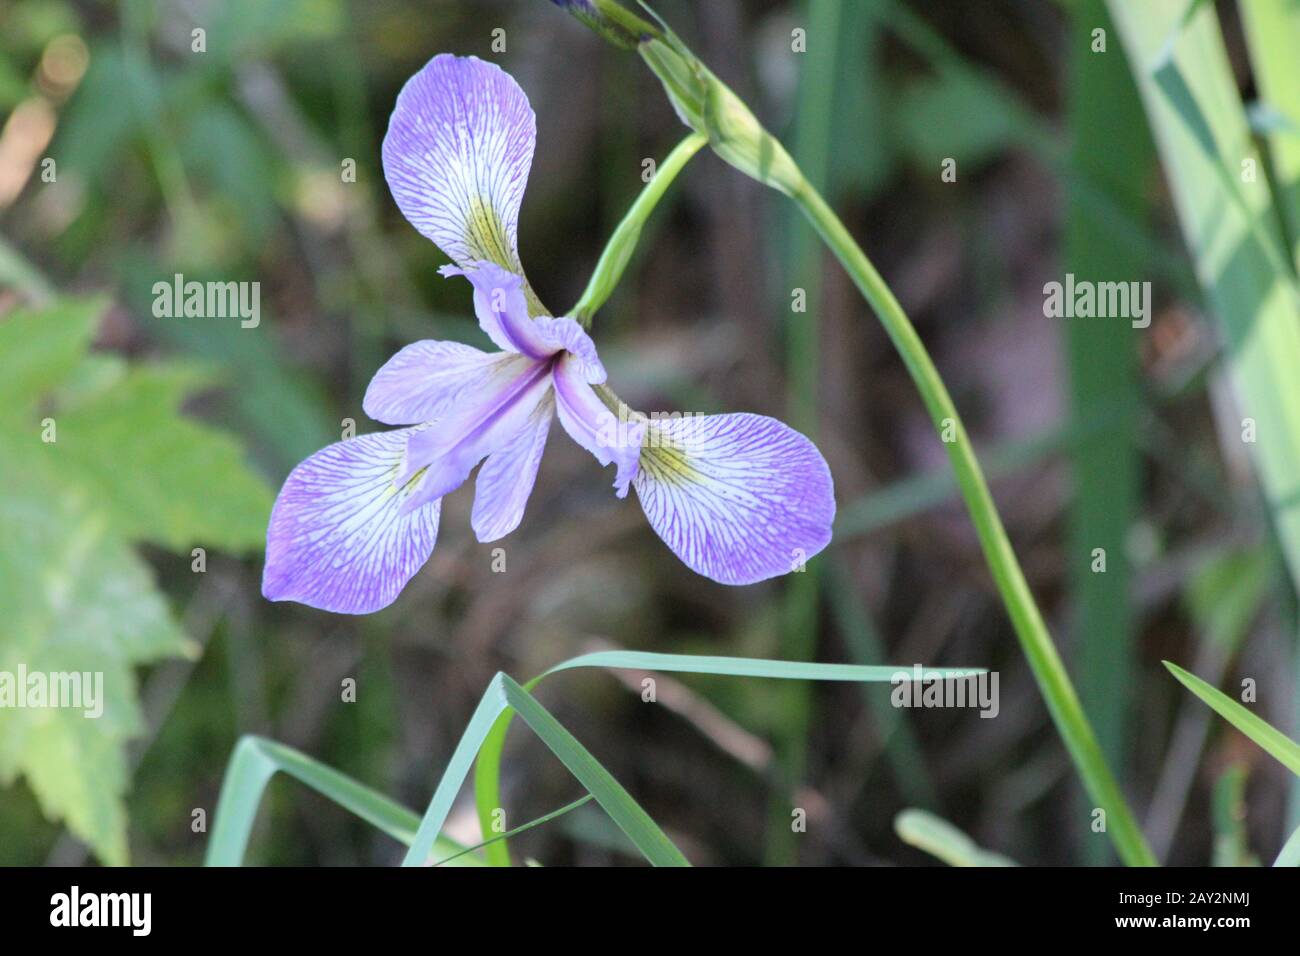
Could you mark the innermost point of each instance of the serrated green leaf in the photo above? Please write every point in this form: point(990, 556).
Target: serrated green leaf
point(76, 599)
point(40, 347)
point(117, 463)
point(186, 485)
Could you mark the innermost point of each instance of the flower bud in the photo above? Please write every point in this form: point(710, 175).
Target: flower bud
point(616, 24)
point(708, 106)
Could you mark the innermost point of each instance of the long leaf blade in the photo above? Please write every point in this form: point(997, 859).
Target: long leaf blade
point(942, 840)
point(502, 695)
point(487, 771)
point(1276, 743)
point(256, 760)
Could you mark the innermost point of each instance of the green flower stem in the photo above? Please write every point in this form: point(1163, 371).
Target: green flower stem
point(619, 249)
point(1049, 670)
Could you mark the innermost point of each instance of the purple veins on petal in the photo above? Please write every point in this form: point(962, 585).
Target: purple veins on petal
point(425, 381)
point(448, 450)
point(506, 479)
point(457, 154)
point(339, 538)
point(739, 498)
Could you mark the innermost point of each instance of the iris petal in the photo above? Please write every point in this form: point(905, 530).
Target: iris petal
point(502, 309)
point(739, 498)
point(425, 380)
point(339, 539)
point(564, 333)
point(506, 479)
point(593, 426)
point(457, 154)
point(448, 450)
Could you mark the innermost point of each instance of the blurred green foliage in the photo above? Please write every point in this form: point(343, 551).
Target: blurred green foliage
point(97, 458)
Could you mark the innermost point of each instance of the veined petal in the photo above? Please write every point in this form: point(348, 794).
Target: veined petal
point(502, 309)
point(739, 498)
point(593, 426)
point(456, 157)
point(448, 450)
point(339, 539)
point(506, 479)
point(425, 380)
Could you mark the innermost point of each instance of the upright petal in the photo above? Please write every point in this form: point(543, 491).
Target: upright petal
point(506, 479)
point(425, 380)
point(610, 437)
point(448, 450)
point(339, 539)
point(502, 309)
point(739, 498)
point(457, 155)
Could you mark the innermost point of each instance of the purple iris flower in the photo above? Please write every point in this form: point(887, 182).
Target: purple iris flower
point(739, 498)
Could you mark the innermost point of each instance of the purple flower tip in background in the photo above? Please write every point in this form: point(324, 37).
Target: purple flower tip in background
point(739, 498)
point(612, 21)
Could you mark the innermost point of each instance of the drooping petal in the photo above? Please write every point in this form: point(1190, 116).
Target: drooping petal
point(456, 157)
point(502, 309)
point(449, 449)
point(339, 539)
point(739, 498)
point(610, 437)
point(425, 380)
point(506, 479)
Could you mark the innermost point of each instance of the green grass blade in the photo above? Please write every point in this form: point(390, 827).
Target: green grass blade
point(1273, 40)
point(942, 840)
point(531, 824)
point(751, 667)
point(1276, 743)
point(1203, 137)
point(1290, 855)
point(1102, 357)
point(487, 771)
point(902, 749)
point(609, 793)
point(492, 705)
point(1229, 814)
point(503, 695)
point(252, 765)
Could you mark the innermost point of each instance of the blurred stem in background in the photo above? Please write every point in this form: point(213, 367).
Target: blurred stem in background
point(705, 104)
point(1102, 357)
point(1219, 184)
point(813, 131)
point(1062, 701)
